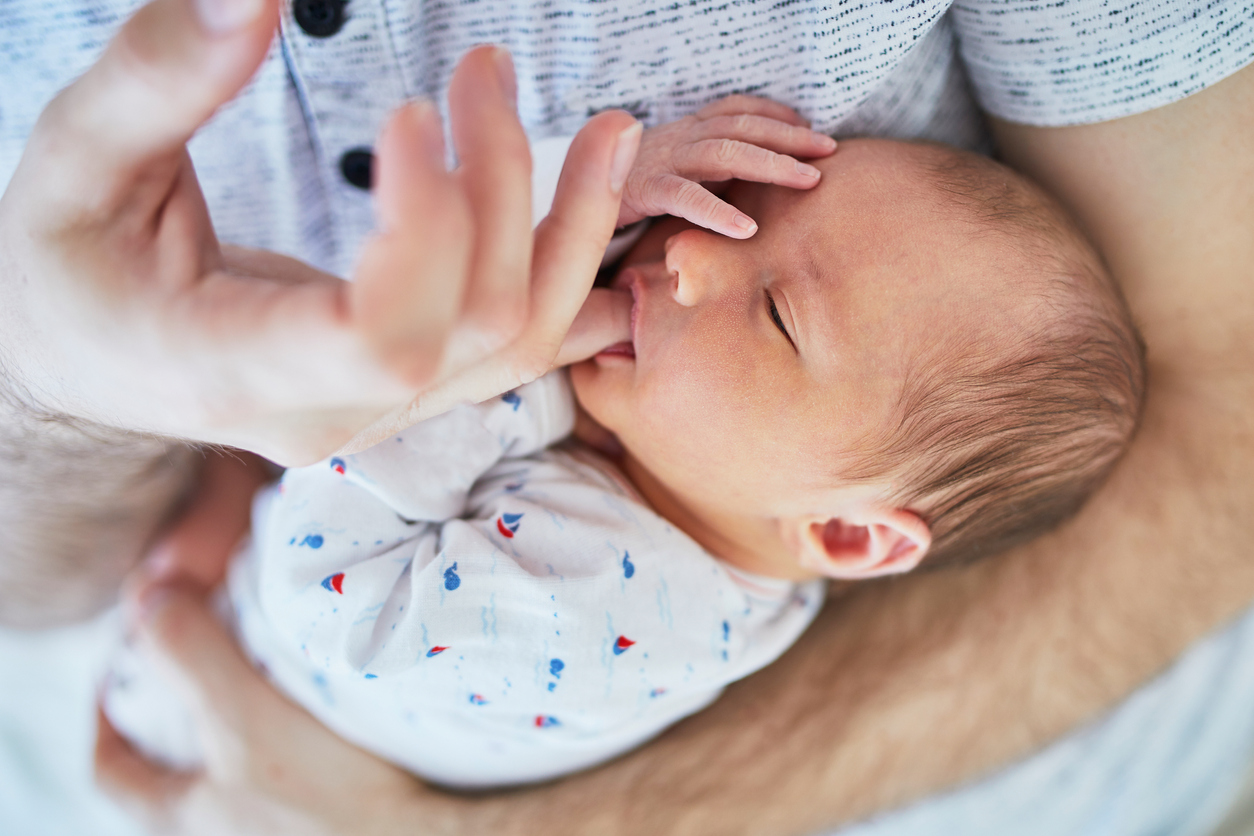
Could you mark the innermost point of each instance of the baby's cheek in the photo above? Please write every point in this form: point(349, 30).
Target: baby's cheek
point(699, 415)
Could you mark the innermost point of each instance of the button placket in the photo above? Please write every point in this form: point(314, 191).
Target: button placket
point(349, 81)
point(319, 18)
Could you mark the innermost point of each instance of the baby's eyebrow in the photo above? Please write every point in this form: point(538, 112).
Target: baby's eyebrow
point(811, 284)
point(813, 271)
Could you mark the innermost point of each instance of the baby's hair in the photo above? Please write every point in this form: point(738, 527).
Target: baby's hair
point(993, 445)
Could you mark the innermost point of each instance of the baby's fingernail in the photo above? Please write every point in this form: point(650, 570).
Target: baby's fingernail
point(624, 156)
point(808, 170)
point(745, 223)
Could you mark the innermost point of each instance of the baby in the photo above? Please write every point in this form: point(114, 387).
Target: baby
point(919, 361)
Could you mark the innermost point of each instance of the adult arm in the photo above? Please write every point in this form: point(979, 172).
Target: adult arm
point(908, 687)
point(78, 505)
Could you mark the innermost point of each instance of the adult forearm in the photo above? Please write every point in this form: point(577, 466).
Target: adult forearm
point(78, 505)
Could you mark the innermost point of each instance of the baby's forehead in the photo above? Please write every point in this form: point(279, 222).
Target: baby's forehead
point(886, 193)
point(920, 244)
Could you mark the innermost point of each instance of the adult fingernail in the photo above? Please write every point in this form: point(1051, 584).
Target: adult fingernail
point(160, 564)
point(745, 223)
point(222, 17)
point(824, 141)
point(808, 170)
point(150, 600)
point(426, 118)
point(624, 156)
point(505, 72)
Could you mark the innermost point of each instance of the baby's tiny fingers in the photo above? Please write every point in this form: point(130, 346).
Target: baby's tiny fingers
point(768, 133)
point(669, 194)
point(728, 159)
point(741, 103)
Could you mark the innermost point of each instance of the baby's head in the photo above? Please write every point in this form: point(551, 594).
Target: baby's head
point(922, 355)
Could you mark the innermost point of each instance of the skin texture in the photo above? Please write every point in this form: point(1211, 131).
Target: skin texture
point(906, 688)
point(737, 426)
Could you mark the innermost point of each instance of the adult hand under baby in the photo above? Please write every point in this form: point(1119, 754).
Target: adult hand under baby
point(735, 138)
point(269, 767)
point(121, 307)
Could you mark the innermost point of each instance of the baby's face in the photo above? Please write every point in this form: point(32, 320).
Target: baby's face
point(761, 366)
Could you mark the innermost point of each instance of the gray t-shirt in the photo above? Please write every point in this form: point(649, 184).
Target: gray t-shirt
point(271, 162)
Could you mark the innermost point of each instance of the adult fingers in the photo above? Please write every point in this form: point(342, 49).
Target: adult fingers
point(149, 791)
point(409, 282)
point(728, 159)
point(252, 736)
point(168, 69)
point(190, 804)
point(773, 134)
point(569, 245)
point(670, 194)
point(495, 168)
point(741, 103)
point(194, 653)
point(604, 319)
point(571, 240)
point(236, 711)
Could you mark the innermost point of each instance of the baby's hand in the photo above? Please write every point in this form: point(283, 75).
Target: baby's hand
point(739, 137)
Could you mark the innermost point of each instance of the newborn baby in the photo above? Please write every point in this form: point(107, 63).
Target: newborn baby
point(919, 361)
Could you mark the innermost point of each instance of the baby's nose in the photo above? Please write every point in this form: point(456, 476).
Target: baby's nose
point(689, 263)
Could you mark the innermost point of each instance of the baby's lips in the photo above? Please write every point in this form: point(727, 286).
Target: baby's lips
point(603, 321)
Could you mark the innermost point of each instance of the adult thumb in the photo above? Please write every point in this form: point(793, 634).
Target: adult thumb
point(603, 321)
point(170, 67)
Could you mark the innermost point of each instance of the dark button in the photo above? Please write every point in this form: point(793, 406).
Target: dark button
point(357, 166)
point(319, 18)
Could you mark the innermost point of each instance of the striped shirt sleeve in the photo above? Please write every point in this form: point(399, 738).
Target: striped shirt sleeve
point(1070, 62)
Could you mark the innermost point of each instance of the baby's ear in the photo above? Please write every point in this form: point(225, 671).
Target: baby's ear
point(864, 543)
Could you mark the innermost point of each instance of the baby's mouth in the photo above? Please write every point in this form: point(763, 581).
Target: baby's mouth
point(624, 349)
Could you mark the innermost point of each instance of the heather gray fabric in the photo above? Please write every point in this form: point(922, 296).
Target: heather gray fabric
point(269, 161)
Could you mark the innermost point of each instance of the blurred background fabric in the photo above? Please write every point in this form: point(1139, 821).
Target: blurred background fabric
point(47, 730)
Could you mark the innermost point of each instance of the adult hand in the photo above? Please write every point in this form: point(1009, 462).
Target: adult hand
point(121, 308)
point(566, 320)
point(270, 768)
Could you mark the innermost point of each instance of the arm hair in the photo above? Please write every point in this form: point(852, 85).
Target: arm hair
point(79, 504)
